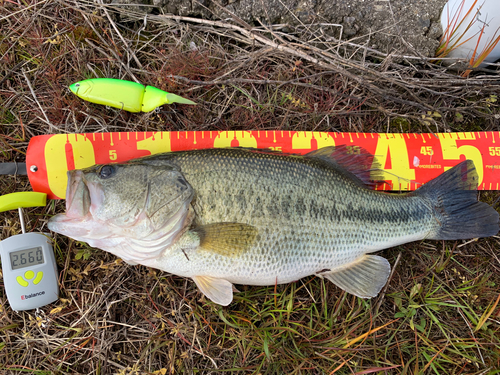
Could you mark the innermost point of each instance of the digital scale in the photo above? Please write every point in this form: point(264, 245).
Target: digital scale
point(28, 263)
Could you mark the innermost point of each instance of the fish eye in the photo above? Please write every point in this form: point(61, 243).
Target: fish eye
point(105, 171)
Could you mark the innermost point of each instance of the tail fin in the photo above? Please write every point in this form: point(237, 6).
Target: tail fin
point(454, 198)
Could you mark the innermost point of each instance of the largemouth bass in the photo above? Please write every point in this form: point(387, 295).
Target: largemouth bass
point(224, 216)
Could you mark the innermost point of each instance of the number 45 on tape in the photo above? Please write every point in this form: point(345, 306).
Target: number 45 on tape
point(408, 160)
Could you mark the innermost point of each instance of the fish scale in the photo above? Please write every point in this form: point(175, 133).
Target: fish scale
point(297, 238)
point(265, 218)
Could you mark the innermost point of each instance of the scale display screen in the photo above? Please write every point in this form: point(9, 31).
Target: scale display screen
point(26, 258)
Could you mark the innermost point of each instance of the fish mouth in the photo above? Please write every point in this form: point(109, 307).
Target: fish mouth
point(77, 196)
point(82, 199)
point(78, 202)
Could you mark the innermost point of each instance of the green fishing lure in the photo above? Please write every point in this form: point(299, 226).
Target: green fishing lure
point(127, 95)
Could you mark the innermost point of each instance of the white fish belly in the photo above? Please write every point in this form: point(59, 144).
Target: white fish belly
point(279, 259)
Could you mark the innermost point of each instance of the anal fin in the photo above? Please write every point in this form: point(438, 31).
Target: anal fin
point(217, 290)
point(364, 278)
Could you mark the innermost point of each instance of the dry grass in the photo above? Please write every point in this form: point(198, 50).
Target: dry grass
point(439, 313)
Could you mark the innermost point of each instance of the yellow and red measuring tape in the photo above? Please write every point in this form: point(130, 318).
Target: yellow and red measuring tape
point(407, 159)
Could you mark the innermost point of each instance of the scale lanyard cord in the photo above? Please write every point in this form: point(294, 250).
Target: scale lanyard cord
point(21, 217)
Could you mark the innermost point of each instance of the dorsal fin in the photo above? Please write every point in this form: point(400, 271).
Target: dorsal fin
point(353, 161)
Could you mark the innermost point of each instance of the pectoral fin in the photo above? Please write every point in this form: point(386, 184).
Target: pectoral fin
point(227, 239)
point(219, 291)
point(363, 278)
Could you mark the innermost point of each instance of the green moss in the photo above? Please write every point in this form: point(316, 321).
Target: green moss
point(400, 124)
point(80, 33)
point(468, 125)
